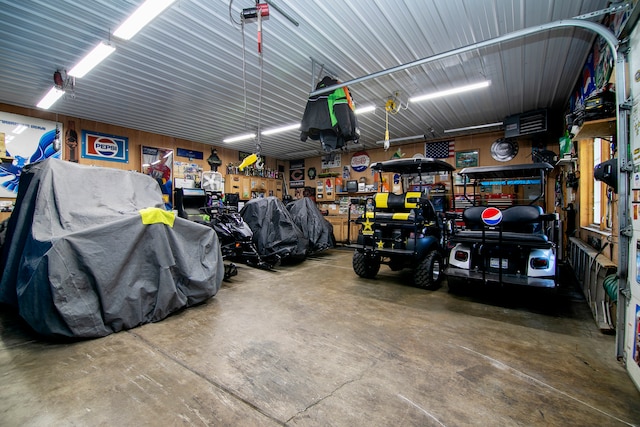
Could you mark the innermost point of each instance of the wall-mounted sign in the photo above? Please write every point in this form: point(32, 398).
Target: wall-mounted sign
point(101, 146)
point(331, 161)
point(27, 140)
point(360, 161)
point(296, 164)
point(296, 178)
point(191, 154)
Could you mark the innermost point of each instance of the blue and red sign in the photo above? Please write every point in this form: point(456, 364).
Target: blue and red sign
point(491, 216)
point(100, 146)
point(360, 161)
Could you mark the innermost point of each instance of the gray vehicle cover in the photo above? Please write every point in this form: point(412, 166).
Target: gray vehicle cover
point(314, 226)
point(274, 230)
point(79, 262)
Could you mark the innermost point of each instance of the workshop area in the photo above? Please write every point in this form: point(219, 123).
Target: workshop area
point(308, 213)
point(313, 344)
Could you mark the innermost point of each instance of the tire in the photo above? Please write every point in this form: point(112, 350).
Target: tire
point(428, 273)
point(366, 266)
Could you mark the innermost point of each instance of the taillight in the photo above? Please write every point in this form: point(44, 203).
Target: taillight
point(461, 256)
point(539, 263)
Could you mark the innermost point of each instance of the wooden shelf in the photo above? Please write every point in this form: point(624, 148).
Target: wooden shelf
point(597, 128)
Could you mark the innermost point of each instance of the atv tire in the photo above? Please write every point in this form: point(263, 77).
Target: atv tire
point(366, 266)
point(428, 273)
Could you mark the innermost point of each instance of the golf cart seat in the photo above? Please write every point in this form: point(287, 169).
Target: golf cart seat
point(522, 219)
point(519, 224)
point(472, 218)
point(401, 207)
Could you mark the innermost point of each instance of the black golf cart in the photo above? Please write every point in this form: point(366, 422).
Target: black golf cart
point(507, 238)
point(406, 228)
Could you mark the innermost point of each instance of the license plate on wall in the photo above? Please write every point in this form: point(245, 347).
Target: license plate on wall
point(495, 263)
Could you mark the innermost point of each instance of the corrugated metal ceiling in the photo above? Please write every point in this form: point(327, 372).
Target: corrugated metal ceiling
point(182, 75)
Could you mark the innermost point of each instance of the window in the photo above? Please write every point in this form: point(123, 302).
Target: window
point(597, 189)
point(594, 207)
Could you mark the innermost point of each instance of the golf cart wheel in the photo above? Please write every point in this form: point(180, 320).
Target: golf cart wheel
point(428, 273)
point(366, 266)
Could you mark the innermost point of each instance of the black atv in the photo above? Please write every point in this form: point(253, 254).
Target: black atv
point(406, 228)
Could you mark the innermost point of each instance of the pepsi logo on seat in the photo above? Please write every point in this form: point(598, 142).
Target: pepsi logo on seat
point(491, 216)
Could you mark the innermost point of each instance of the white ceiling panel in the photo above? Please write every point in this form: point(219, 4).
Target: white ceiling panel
point(192, 73)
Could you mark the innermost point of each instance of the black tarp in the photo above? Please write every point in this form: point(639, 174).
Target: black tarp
point(314, 226)
point(274, 230)
point(79, 262)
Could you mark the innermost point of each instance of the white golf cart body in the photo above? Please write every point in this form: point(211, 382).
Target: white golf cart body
point(506, 245)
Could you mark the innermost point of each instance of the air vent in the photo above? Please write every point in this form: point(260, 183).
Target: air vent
point(525, 123)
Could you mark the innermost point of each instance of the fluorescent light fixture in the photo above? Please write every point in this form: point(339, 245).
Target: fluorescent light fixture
point(240, 137)
point(280, 129)
point(488, 125)
point(50, 98)
point(366, 109)
point(405, 139)
point(448, 92)
point(141, 17)
point(93, 58)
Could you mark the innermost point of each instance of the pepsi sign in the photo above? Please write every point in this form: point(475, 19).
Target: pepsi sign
point(491, 216)
point(100, 146)
point(360, 161)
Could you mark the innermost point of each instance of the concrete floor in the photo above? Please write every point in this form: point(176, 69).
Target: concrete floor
point(313, 345)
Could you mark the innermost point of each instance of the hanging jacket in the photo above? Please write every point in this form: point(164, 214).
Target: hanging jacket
point(330, 117)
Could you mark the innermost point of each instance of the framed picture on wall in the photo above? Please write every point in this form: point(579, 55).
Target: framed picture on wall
point(158, 164)
point(465, 159)
point(25, 140)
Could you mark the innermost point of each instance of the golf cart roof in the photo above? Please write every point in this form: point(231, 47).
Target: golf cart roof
point(507, 171)
point(413, 165)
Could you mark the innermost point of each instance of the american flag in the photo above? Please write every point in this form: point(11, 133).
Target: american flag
point(440, 149)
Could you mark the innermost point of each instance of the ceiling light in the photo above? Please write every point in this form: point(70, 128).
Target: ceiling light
point(52, 96)
point(141, 17)
point(405, 139)
point(450, 91)
point(93, 58)
point(281, 129)
point(488, 125)
point(240, 137)
point(367, 109)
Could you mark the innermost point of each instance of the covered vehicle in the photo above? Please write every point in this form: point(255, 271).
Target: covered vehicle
point(407, 228)
point(275, 233)
point(90, 251)
point(509, 239)
point(314, 226)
